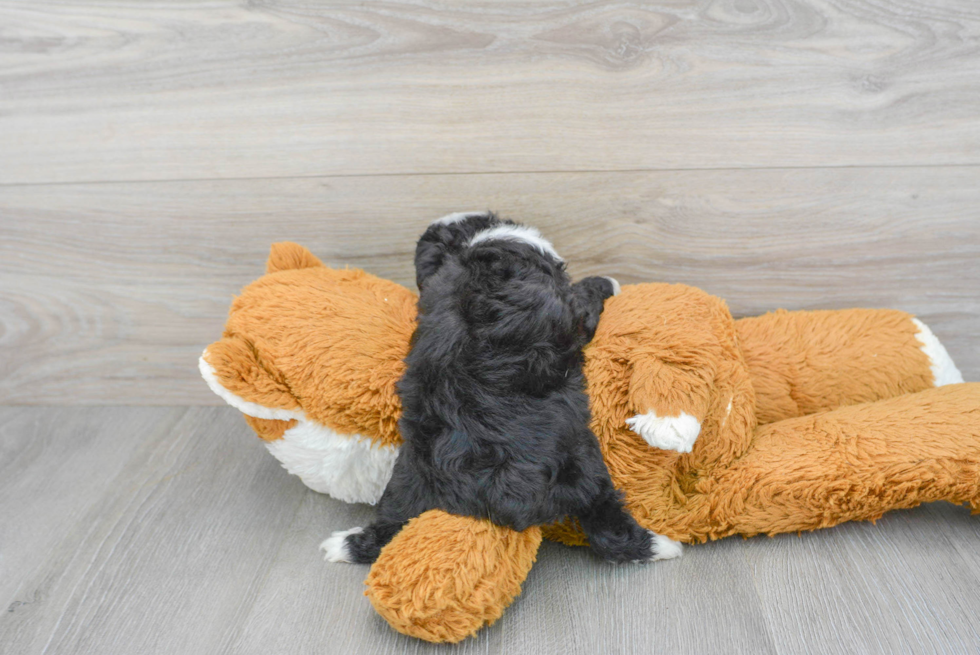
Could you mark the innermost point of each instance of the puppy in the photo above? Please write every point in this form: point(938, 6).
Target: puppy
point(495, 416)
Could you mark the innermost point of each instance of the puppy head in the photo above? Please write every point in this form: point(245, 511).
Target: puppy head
point(450, 236)
point(507, 287)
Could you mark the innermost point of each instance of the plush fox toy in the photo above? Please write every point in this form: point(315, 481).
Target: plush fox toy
point(710, 426)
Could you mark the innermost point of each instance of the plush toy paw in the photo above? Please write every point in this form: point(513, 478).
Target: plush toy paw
point(443, 577)
point(668, 432)
point(335, 548)
point(665, 547)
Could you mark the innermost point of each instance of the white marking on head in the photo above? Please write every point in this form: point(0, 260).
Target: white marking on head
point(522, 233)
point(944, 371)
point(456, 217)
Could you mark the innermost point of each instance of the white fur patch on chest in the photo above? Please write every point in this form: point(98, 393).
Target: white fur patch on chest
point(349, 467)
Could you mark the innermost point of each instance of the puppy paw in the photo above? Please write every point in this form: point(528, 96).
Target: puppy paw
point(667, 433)
point(615, 283)
point(665, 548)
point(336, 549)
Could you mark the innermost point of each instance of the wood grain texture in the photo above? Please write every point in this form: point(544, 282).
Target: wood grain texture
point(171, 530)
point(825, 578)
point(130, 90)
point(162, 556)
point(55, 466)
point(109, 292)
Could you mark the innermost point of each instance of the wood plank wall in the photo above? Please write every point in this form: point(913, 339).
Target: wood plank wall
point(777, 153)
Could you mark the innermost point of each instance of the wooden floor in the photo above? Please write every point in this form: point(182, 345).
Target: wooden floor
point(777, 153)
point(171, 530)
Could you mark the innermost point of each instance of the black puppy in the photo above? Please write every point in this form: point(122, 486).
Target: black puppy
point(495, 416)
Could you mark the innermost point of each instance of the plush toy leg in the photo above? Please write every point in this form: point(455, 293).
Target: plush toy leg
point(854, 463)
point(807, 362)
point(443, 577)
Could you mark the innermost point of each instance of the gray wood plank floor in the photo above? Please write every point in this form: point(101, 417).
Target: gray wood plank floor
point(171, 530)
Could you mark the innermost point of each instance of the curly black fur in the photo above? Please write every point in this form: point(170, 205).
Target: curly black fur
point(495, 415)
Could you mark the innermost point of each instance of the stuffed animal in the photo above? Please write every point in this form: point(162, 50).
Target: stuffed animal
point(711, 427)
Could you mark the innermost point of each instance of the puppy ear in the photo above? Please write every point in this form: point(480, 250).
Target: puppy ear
point(447, 236)
point(430, 253)
point(588, 296)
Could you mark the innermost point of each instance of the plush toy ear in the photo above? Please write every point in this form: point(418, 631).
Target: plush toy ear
point(231, 369)
point(443, 577)
point(287, 256)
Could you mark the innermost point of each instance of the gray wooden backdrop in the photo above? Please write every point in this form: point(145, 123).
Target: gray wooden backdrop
point(777, 153)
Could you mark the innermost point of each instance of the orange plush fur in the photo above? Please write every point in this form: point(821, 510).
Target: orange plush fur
point(447, 576)
point(808, 419)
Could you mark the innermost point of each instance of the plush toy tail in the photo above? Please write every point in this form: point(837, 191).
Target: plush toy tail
point(443, 577)
point(853, 463)
point(807, 362)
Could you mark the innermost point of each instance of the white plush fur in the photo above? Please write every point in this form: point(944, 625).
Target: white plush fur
point(666, 432)
point(528, 235)
point(456, 217)
point(943, 369)
point(665, 547)
point(349, 467)
point(335, 546)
